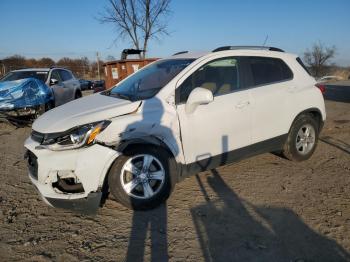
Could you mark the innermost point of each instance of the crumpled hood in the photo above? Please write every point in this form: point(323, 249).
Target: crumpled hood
point(28, 92)
point(8, 86)
point(82, 111)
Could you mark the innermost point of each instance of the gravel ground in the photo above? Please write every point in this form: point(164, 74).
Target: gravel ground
point(261, 209)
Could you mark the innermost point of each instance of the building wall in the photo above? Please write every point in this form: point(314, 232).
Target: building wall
point(115, 71)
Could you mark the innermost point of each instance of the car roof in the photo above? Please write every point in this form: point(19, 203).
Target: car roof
point(236, 51)
point(32, 69)
point(40, 69)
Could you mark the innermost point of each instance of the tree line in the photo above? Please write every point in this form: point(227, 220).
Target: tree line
point(81, 67)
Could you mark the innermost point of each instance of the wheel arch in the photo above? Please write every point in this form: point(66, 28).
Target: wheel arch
point(316, 114)
point(151, 141)
point(145, 141)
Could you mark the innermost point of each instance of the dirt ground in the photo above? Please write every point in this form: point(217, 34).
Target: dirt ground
point(261, 209)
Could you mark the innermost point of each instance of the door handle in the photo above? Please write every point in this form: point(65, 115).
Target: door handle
point(242, 104)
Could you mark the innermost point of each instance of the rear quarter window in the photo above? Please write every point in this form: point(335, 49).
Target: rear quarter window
point(303, 65)
point(266, 70)
point(65, 75)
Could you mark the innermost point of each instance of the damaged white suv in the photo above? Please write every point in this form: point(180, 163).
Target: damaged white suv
point(175, 117)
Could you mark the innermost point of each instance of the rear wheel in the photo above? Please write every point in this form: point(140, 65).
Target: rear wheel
point(142, 178)
point(302, 138)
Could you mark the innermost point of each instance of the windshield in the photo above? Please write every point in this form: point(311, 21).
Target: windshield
point(17, 75)
point(147, 82)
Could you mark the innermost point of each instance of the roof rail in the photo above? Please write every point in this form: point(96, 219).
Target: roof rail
point(269, 48)
point(179, 53)
point(59, 67)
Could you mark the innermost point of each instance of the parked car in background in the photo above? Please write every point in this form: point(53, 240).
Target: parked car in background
point(98, 85)
point(23, 100)
point(64, 85)
point(324, 79)
point(85, 84)
point(173, 118)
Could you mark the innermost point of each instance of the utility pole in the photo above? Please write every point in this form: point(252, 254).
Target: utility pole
point(98, 66)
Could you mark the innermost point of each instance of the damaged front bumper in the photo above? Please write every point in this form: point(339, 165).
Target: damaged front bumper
point(71, 179)
point(20, 115)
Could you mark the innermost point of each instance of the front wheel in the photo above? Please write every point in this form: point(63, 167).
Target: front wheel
point(142, 178)
point(77, 95)
point(302, 138)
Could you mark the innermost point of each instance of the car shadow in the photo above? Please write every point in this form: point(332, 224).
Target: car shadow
point(337, 143)
point(230, 228)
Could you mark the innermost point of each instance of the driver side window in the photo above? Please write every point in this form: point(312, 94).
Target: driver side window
point(220, 76)
point(55, 75)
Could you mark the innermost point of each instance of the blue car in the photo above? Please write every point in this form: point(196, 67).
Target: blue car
point(24, 99)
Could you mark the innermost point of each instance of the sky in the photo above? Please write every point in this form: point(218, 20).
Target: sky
point(48, 28)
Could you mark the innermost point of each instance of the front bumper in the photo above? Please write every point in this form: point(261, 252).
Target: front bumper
point(88, 205)
point(19, 115)
point(87, 166)
point(16, 112)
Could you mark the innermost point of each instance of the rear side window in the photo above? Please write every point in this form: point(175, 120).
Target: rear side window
point(65, 75)
point(303, 66)
point(267, 70)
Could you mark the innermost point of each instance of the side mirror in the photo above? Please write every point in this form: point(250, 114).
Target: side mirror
point(198, 96)
point(53, 81)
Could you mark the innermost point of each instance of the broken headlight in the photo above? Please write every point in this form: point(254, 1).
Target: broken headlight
point(76, 137)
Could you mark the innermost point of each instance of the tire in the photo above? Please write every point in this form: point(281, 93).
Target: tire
point(40, 110)
point(302, 138)
point(134, 189)
point(77, 95)
point(49, 106)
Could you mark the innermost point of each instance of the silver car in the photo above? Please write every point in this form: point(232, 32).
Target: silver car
point(64, 85)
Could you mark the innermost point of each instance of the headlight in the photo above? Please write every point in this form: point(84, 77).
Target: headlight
point(78, 137)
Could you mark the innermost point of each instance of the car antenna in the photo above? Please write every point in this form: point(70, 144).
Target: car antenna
point(267, 37)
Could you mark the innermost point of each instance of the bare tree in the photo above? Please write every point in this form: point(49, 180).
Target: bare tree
point(318, 57)
point(110, 58)
point(138, 20)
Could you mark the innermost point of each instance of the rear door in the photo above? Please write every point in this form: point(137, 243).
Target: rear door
point(70, 84)
point(271, 87)
point(58, 89)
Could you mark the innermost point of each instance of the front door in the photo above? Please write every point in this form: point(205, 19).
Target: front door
point(214, 130)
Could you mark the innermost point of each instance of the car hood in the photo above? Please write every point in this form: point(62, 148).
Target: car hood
point(82, 111)
point(28, 92)
point(7, 86)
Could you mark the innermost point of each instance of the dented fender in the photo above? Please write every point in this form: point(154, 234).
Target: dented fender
point(154, 122)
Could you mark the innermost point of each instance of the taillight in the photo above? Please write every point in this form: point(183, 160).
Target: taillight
point(322, 88)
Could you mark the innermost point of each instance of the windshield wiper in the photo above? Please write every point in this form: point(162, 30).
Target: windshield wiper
point(119, 95)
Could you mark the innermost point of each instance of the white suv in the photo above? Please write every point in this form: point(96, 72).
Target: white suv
point(175, 117)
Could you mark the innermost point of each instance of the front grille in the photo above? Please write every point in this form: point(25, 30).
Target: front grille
point(37, 137)
point(32, 162)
